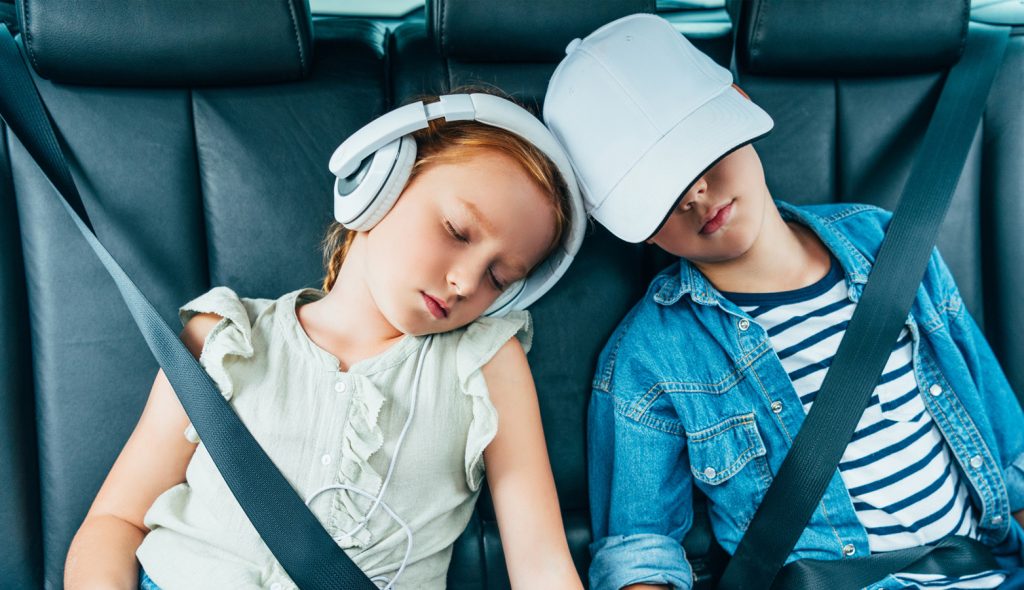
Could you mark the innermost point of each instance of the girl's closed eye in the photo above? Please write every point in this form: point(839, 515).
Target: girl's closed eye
point(458, 235)
point(498, 283)
point(454, 232)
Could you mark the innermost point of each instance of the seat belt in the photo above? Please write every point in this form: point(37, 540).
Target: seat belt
point(292, 532)
point(863, 352)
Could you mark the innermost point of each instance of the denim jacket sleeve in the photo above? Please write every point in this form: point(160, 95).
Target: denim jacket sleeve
point(640, 496)
point(1001, 404)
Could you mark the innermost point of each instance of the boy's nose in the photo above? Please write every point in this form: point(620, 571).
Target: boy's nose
point(697, 191)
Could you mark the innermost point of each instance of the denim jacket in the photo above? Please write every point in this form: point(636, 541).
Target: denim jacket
point(689, 391)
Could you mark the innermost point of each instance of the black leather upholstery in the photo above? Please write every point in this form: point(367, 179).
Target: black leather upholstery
point(873, 37)
point(191, 186)
point(518, 30)
point(19, 505)
point(1002, 213)
point(159, 43)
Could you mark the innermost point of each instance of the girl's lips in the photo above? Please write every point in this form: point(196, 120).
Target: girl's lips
point(435, 306)
point(717, 220)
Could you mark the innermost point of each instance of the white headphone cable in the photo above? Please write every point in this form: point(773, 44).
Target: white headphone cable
point(378, 499)
point(389, 584)
point(401, 436)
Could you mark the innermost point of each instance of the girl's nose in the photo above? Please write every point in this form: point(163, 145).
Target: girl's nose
point(463, 282)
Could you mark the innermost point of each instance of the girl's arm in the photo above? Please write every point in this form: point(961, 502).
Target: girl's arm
point(520, 480)
point(102, 554)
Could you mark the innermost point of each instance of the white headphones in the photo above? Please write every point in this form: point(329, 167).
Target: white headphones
point(373, 165)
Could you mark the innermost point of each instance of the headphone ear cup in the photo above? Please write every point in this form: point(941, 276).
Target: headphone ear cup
point(392, 187)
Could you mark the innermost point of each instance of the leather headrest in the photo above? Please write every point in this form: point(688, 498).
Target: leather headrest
point(167, 42)
point(476, 30)
point(848, 38)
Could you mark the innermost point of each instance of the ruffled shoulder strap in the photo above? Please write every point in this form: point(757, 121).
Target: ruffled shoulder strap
point(477, 345)
point(232, 335)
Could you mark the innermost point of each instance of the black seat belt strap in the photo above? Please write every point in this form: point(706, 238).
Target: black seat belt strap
point(951, 557)
point(292, 532)
point(877, 320)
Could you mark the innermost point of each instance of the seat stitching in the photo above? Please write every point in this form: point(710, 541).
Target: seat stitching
point(444, 29)
point(28, 34)
point(298, 40)
point(755, 34)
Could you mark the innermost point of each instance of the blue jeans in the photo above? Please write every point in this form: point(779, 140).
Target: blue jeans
point(145, 583)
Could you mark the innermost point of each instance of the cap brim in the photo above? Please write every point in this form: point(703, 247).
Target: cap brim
point(642, 200)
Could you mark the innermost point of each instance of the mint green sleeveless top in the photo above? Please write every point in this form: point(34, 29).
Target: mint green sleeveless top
point(324, 427)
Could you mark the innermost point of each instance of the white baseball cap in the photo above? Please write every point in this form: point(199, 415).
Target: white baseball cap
point(643, 114)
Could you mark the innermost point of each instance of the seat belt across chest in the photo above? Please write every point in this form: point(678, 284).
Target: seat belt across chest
point(812, 461)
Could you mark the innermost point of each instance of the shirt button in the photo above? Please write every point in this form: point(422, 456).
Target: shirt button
point(935, 389)
point(997, 519)
point(744, 324)
point(710, 473)
point(326, 459)
point(849, 549)
point(276, 586)
point(777, 407)
point(976, 461)
point(339, 386)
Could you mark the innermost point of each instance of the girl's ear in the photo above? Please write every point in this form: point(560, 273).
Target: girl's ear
point(740, 90)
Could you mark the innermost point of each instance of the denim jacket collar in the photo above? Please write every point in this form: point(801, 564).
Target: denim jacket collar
point(689, 280)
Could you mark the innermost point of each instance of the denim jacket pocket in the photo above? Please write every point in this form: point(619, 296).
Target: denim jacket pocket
point(729, 464)
point(720, 452)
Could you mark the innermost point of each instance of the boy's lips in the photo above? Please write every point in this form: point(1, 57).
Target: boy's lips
point(716, 218)
point(435, 306)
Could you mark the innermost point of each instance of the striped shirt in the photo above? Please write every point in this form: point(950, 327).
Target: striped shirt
point(898, 469)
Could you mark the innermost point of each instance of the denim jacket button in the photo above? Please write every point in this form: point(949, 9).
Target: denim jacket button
point(744, 324)
point(849, 549)
point(976, 461)
point(777, 407)
point(935, 389)
point(710, 473)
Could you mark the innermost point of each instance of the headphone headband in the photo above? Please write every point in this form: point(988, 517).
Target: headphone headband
point(399, 122)
point(353, 156)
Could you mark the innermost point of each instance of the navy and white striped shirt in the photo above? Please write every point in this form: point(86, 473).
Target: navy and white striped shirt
point(898, 469)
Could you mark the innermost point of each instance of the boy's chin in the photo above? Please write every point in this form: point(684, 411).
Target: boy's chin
point(725, 253)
